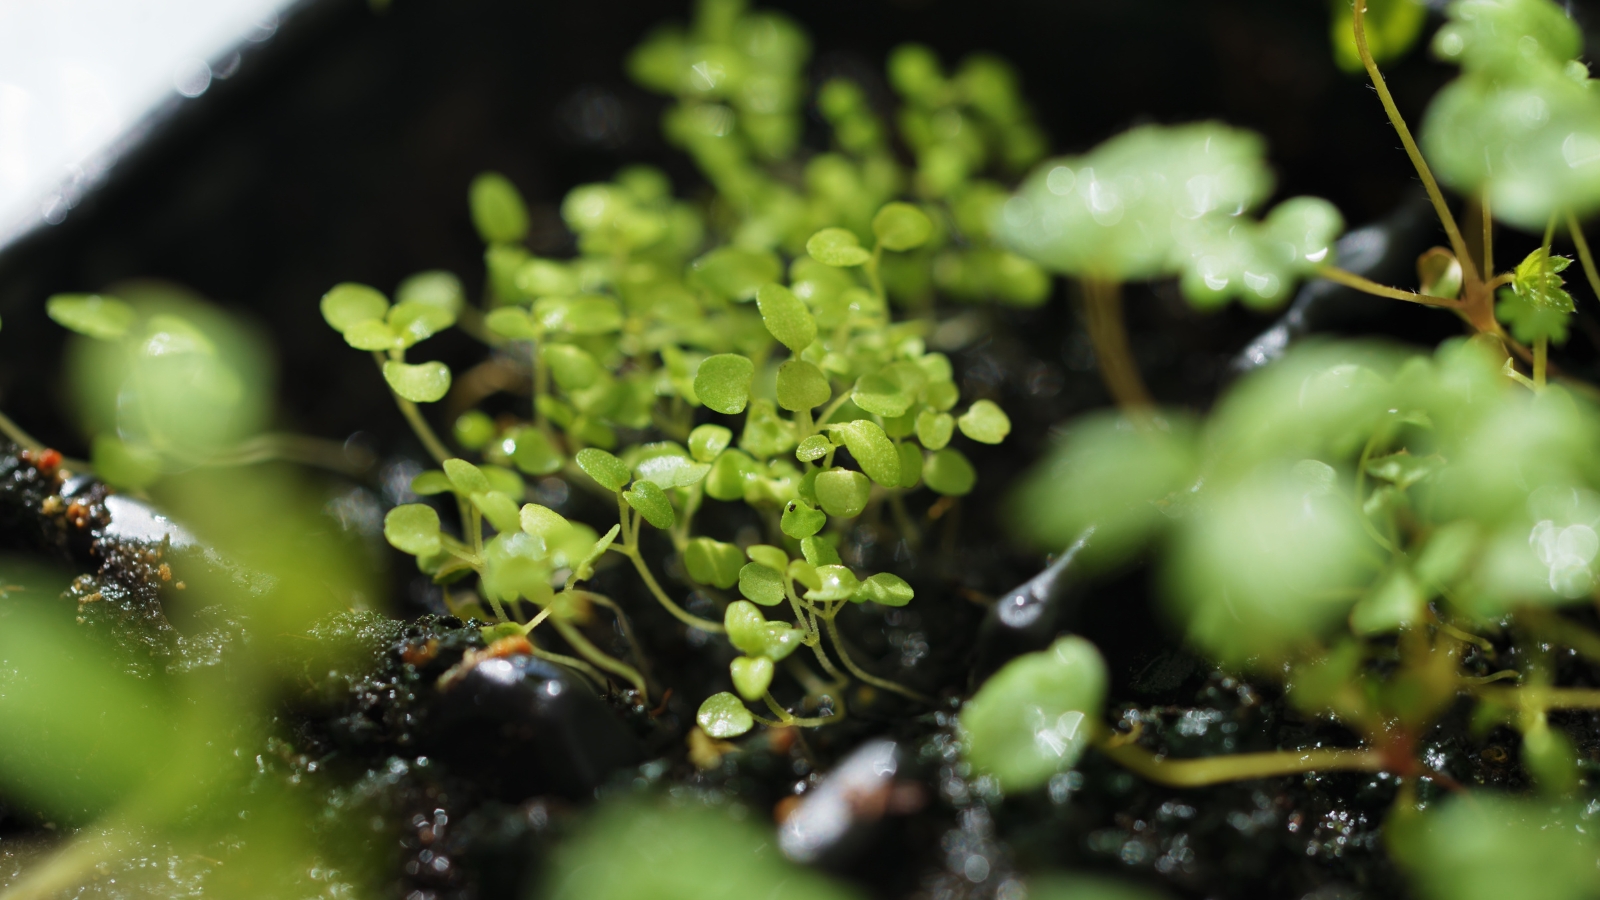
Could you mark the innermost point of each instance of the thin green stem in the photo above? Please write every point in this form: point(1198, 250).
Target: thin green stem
point(1235, 767)
point(14, 431)
point(869, 678)
point(830, 409)
point(424, 431)
point(1108, 333)
point(678, 612)
point(1368, 286)
point(601, 659)
point(1584, 256)
point(789, 718)
point(1446, 218)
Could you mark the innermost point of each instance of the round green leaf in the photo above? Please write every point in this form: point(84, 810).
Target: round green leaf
point(767, 555)
point(438, 289)
point(872, 449)
point(910, 465)
point(414, 529)
point(778, 640)
point(934, 429)
point(466, 478)
point(813, 448)
point(512, 322)
point(542, 521)
point(1035, 716)
point(949, 473)
point(761, 584)
point(723, 382)
point(578, 315)
point(985, 422)
point(713, 562)
point(800, 520)
point(100, 317)
point(611, 473)
point(752, 675)
point(901, 226)
point(651, 501)
point(735, 273)
point(506, 481)
point(819, 551)
point(723, 716)
point(786, 317)
point(880, 395)
point(414, 322)
point(533, 453)
point(350, 304)
point(706, 441)
point(573, 368)
point(429, 482)
point(728, 475)
point(374, 335)
point(672, 471)
point(843, 492)
point(884, 589)
point(499, 509)
point(802, 385)
point(747, 627)
point(838, 583)
point(421, 383)
point(837, 247)
point(474, 429)
point(497, 209)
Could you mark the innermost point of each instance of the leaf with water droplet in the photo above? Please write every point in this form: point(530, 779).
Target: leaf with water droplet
point(723, 716)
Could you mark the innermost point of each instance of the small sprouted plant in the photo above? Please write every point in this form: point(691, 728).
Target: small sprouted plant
point(768, 310)
point(1369, 527)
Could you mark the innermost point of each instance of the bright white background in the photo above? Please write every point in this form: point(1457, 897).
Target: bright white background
point(78, 76)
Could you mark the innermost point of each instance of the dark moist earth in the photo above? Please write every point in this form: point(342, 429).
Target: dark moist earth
point(460, 767)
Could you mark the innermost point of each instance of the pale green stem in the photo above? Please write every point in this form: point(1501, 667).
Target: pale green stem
point(1236, 767)
point(875, 681)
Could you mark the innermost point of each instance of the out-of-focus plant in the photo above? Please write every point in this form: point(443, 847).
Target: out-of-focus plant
point(745, 351)
point(1363, 524)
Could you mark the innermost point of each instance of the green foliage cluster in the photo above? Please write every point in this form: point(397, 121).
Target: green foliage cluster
point(745, 350)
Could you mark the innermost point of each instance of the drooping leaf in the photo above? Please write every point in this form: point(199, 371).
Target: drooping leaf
point(421, 383)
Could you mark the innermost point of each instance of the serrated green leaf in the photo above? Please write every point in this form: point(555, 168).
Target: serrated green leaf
point(872, 449)
point(843, 492)
point(723, 382)
point(837, 247)
point(723, 716)
point(498, 211)
point(985, 422)
point(786, 317)
point(713, 562)
point(413, 528)
point(652, 503)
point(350, 304)
point(706, 441)
point(608, 471)
point(420, 383)
point(800, 520)
point(884, 589)
point(948, 472)
point(751, 675)
point(802, 385)
point(901, 226)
